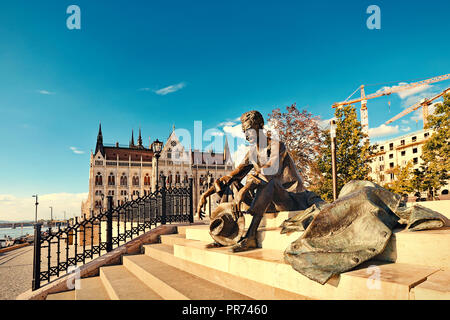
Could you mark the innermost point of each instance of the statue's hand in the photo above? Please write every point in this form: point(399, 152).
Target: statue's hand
point(225, 179)
point(201, 205)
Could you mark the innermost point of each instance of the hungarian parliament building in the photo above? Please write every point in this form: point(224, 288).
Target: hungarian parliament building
point(130, 172)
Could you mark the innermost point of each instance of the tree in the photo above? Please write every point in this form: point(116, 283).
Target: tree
point(436, 150)
point(352, 153)
point(403, 182)
point(417, 181)
point(300, 132)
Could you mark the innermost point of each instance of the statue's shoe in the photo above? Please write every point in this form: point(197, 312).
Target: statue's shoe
point(245, 245)
point(213, 245)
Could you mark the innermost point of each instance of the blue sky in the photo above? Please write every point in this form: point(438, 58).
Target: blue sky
point(221, 57)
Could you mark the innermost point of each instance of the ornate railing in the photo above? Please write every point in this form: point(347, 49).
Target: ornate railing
point(56, 252)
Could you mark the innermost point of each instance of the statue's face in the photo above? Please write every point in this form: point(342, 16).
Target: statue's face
point(251, 135)
point(251, 127)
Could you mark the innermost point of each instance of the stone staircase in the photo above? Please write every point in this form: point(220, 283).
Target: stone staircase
point(415, 265)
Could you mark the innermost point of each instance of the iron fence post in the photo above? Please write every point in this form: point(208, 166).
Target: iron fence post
point(163, 200)
point(37, 257)
point(109, 225)
point(191, 201)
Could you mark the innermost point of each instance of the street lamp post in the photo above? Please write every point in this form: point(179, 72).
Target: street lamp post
point(333, 156)
point(210, 183)
point(51, 215)
point(157, 147)
point(36, 204)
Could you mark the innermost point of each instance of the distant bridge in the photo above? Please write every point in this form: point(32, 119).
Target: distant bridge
point(16, 224)
point(53, 223)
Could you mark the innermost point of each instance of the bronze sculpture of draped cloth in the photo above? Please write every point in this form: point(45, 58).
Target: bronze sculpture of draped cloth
point(356, 227)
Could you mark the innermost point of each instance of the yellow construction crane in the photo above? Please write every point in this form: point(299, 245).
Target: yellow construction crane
point(384, 92)
point(424, 104)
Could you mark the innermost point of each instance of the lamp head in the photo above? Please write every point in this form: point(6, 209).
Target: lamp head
point(157, 146)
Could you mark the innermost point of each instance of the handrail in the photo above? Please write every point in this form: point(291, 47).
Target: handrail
point(83, 240)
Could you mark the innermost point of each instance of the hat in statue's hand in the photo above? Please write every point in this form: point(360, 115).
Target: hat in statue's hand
point(224, 228)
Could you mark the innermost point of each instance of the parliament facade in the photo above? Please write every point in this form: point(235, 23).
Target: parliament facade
point(130, 172)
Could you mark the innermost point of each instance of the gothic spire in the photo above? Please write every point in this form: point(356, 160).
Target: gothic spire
point(132, 139)
point(99, 146)
point(140, 139)
point(226, 151)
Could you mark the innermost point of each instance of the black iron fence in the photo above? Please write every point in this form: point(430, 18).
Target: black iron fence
point(57, 251)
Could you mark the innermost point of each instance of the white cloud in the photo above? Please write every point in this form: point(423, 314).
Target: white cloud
point(405, 121)
point(14, 208)
point(235, 131)
point(226, 123)
point(382, 130)
point(324, 124)
point(170, 89)
point(406, 93)
point(45, 92)
point(217, 134)
point(411, 100)
point(405, 129)
point(76, 151)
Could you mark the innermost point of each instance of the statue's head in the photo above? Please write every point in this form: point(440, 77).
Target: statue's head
point(252, 123)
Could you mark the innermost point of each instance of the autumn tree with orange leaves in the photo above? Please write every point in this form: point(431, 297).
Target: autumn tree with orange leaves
point(300, 132)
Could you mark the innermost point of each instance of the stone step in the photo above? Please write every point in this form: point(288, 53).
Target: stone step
point(121, 284)
point(181, 228)
point(437, 287)
point(253, 289)
point(268, 238)
point(172, 239)
point(428, 248)
point(65, 295)
point(267, 266)
point(91, 289)
point(271, 220)
point(412, 247)
point(174, 284)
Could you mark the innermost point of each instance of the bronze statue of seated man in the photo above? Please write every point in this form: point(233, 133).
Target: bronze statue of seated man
point(273, 182)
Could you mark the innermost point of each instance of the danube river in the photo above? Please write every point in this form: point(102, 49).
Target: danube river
point(15, 233)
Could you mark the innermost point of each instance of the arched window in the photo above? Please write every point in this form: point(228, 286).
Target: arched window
point(111, 179)
point(98, 179)
point(169, 177)
point(177, 177)
point(135, 180)
point(169, 153)
point(185, 179)
point(123, 180)
point(147, 180)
